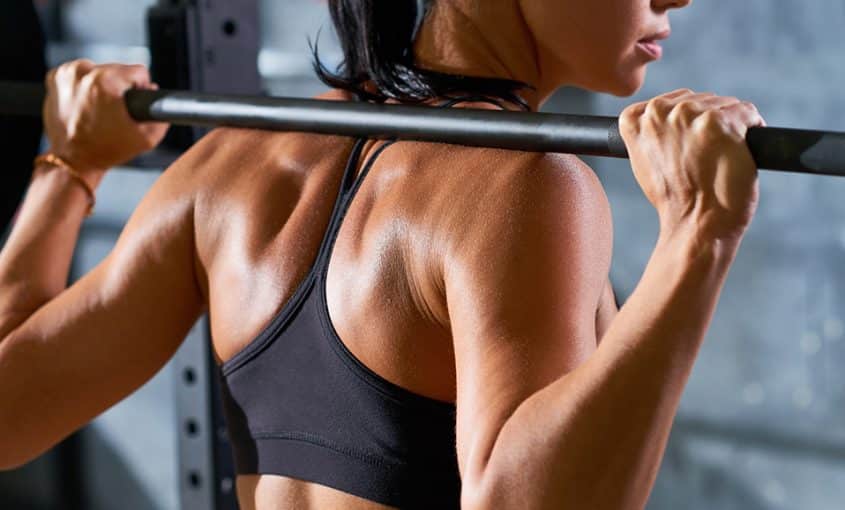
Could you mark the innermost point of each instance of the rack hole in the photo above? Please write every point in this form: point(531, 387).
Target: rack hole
point(192, 428)
point(194, 480)
point(189, 376)
point(230, 28)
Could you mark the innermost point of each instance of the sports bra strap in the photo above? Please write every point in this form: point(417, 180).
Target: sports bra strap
point(350, 183)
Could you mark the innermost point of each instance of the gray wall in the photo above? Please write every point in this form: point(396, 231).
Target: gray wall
point(762, 424)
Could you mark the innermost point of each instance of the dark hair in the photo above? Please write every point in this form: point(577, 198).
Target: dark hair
point(377, 39)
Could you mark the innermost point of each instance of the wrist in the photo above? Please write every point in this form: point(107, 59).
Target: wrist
point(51, 165)
point(697, 246)
point(92, 178)
point(92, 173)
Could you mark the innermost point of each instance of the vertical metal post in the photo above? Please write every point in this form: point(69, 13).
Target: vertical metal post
point(194, 422)
point(204, 46)
point(227, 42)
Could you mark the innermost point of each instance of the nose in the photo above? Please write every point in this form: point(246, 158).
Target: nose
point(664, 5)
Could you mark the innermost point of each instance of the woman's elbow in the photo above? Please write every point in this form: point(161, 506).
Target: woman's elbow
point(14, 451)
point(10, 459)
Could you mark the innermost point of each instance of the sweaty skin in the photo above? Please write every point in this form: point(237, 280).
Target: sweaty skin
point(388, 262)
point(487, 270)
point(238, 234)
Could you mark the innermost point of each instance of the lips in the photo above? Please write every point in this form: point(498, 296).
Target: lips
point(652, 49)
point(650, 46)
point(657, 36)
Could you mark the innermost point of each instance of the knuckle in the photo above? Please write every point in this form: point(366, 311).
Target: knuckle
point(751, 106)
point(683, 112)
point(682, 91)
point(79, 67)
point(686, 107)
point(627, 126)
point(142, 74)
point(712, 123)
point(679, 118)
point(73, 71)
point(660, 103)
point(97, 77)
point(66, 69)
point(96, 81)
point(115, 73)
point(66, 75)
point(627, 116)
point(631, 110)
point(711, 118)
point(629, 119)
point(131, 73)
point(628, 131)
point(658, 107)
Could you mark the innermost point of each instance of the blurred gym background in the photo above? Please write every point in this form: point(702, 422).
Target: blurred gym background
point(762, 423)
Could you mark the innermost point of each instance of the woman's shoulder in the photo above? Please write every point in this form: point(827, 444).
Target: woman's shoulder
point(523, 182)
point(228, 155)
point(489, 199)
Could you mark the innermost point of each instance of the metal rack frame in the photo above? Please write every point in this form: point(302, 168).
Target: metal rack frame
point(203, 46)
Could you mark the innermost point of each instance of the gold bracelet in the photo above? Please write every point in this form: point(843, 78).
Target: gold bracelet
point(57, 162)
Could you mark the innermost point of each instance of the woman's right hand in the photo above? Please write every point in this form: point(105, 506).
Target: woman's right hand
point(689, 155)
point(86, 120)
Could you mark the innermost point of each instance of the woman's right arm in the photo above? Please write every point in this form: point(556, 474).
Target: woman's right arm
point(543, 422)
point(68, 354)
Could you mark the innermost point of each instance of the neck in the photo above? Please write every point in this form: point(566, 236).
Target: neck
point(493, 41)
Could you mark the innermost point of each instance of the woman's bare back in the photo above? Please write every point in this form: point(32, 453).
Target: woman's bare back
point(263, 210)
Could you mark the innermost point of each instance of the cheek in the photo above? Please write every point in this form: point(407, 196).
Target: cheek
point(617, 31)
point(609, 61)
point(584, 35)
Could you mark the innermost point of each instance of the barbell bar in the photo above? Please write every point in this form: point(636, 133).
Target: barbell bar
point(773, 148)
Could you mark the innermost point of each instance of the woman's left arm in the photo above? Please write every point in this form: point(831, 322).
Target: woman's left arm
point(66, 355)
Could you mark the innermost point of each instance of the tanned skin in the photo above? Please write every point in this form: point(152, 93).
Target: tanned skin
point(472, 276)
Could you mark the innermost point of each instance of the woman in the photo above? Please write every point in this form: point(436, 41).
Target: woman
point(398, 325)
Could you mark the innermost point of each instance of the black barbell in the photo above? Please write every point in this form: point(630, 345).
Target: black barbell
point(773, 148)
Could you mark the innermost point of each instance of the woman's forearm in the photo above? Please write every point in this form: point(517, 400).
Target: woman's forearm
point(35, 262)
point(595, 437)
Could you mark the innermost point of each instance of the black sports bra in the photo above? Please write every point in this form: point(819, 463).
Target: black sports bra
point(299, 404)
